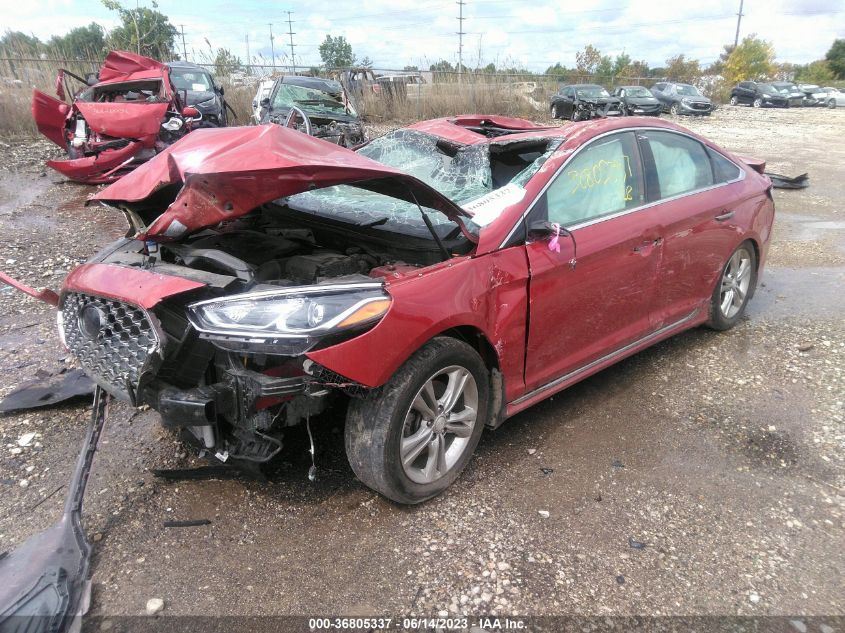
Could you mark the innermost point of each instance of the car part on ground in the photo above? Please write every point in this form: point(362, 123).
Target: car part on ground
point(113, 125)
point(678, 98)
point(789, 182)
point(199, 90)
point(46, 584)
point(330, 118)
point(281, 278)
point(637, 101)
point(49, 390)
point(582, 102)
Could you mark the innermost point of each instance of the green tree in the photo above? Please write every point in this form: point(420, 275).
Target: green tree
point(489, 69)
point(835, 58)
point(82, 42)
point(817, 72)
point(679, 68)
point(621, 63)
point(19, 43)
point(225, 63)
point(142, 30)
point(558, 70)
point(366, 62)
point(336, 52)
point(588, 60)
point(605, 67)
point(753, 59)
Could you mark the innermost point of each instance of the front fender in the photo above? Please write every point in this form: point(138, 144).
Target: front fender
point(488, 293)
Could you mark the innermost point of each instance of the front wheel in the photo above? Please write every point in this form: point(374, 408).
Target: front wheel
point(413, 437)
point(735, 287)
point(734, 100)
point(675, 109)
point(555, 112)
point(758, 103)
point(831, 104)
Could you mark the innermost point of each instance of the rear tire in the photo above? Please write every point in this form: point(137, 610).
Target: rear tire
point(734, 288)
point(410, 440)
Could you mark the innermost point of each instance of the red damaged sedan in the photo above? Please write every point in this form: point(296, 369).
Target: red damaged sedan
point(435, 282)
point(130, 113)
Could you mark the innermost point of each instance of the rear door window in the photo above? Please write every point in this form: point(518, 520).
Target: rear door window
point(681, 164)
point(724, 170)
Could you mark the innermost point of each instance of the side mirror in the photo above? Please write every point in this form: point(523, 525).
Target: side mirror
point(220, 90)
point(189, 112)
point(265, 102)
point(542, 229)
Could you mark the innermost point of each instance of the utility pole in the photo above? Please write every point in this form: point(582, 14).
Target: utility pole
point(461, 34)
point(291, 33)
point(272, 48)
point(184, 48)
point(246, 37)
point(738, 20)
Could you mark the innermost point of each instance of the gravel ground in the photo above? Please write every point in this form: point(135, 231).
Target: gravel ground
point(702, 476)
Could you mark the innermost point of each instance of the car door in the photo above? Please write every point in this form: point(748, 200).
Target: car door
point(687, 184)
point(566, 103)
point(594, 295)
point(747, 92)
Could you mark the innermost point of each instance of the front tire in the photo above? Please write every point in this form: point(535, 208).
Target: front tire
point(555, 112)
point(734, 100)
point(411, 439)
point(733, 290)
point(831, 104)
point(758, 103)
point(675, 109)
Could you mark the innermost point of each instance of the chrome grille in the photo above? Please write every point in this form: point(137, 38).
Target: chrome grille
point(115, 342)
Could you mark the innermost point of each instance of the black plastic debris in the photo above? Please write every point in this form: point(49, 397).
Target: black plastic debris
point(49, 389)
point(203, 472)
point(636, 544)
point(547, 471)
point(620, 579)
point(780, 181)
point(617, 464)
point(187, 523)
point(45, 583)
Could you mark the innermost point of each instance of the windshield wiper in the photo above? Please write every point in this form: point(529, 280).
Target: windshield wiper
point(372, 223)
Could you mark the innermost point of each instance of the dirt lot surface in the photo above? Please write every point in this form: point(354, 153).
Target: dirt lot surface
point(702, 476)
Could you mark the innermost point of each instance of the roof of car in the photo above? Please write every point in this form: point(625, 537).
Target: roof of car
point(582, 86)
point(462, 128)
point(182, 64)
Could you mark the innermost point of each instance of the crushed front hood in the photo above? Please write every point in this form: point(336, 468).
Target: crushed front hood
point(227, 172)
point(123, 120)
point(125, 66)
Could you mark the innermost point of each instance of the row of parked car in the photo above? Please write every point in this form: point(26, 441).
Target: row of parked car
point(785, 94)
point(586, 101)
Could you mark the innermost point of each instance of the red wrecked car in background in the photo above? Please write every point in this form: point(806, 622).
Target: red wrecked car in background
point(128, 116)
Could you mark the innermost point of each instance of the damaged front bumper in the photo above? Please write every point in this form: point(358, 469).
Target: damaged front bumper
point(101, 168)
point(45, 583)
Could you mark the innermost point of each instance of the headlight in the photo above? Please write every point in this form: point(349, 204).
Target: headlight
point(288, 321)
point(173, 124)
point(685, 100)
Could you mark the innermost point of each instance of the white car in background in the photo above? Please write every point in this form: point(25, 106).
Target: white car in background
point(834, 98)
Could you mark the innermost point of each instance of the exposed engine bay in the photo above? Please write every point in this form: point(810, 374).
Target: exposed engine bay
point(233, 396)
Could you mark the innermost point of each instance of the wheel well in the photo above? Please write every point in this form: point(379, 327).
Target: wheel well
point(475, 338)
point(756, 248)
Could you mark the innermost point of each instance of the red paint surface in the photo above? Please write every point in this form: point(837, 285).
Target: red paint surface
point(50, 116)
point(125, 66)
point(97, 169)
point(46, 295)
point(142, 288)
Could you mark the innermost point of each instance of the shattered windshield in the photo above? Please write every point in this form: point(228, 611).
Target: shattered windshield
point(638, 92)
point(786, 88)
point(462, 173)
point(311, 100)
point(767, 88)
point(591, 92)
point(687, 90)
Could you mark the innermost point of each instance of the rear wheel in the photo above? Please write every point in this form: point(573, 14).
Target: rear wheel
point(735, 286)
point(413, 438)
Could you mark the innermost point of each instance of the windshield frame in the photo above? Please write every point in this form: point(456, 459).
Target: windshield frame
point(306, 101)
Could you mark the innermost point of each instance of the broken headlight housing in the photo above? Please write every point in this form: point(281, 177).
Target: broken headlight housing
point(288, 321)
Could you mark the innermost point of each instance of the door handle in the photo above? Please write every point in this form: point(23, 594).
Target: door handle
point(726, 215)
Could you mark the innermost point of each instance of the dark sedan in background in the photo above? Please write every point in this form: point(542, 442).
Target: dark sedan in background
point(681, 98)
point(791, 92)
point(203, 93)
point(757, 95)
point(581, 102)
point(637, 101)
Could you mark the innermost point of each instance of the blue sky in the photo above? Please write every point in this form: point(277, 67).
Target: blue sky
point(529, 33)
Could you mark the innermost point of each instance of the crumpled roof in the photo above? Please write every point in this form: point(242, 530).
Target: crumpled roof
point(227, 172)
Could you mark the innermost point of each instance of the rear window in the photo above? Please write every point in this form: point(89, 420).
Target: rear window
point(723, 169)
point(681, 163)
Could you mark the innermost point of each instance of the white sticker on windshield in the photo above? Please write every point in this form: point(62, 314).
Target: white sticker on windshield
point(197, 87)
point(489, 206)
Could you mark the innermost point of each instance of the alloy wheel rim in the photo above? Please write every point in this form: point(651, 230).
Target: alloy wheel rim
point(439, 424)
point(735, 283)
